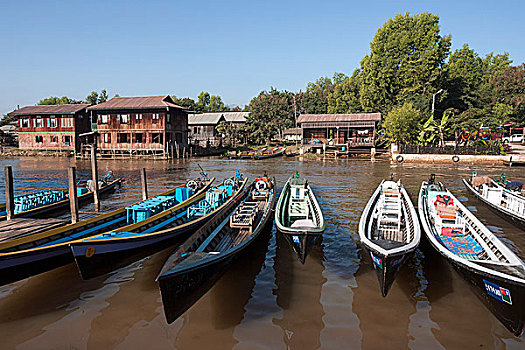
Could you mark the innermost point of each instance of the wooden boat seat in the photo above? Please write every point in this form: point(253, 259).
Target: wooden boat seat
point(298, 209)
point(244, 216)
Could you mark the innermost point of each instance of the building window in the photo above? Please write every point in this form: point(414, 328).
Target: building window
point(67, 122)
point(140, 138)
point(107, 138)
point(168, 118)
point(104, 119)
point(38, 123)
point(25, 123)
point(54, 139)
point(124, 118)
point(138, 116)
point(155, 116)
point(156, 137)
point(52, 122)
point(67, 140)
point(123, 137)
point(39, 139)
point(195, 129)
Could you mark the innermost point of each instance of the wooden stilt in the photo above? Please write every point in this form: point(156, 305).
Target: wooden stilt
point(73, 200)
point(9, 193)
point(144, 183)
point(94, 174)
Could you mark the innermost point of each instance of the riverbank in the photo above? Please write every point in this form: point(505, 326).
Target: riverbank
point(456, 159)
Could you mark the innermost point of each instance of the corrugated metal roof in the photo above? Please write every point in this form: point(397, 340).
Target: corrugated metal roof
point(50, 109)
point(214, 118)
point(136, 102)
point(310, 118)
point(292, 131)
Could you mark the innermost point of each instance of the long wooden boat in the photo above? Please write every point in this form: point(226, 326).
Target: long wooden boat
point(106, 252)
point(297, 210)
point(506, 203)
point(302, 244)
point(28, 255)
point(205, 256)
point(495, 272)
point(270, 153)
point(390, 231)
point(55, 208)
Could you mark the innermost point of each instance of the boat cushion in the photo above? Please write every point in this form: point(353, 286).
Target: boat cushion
point(304, 223)
point(464, 246)
point(452, 231)
point(480, 180)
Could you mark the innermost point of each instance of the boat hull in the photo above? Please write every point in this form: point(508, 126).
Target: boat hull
point(97, 258)
point(182, 288)
point(511, 315)
point(21, 266)
point(488, 287)
point(514, 219)
point(179, 292)
point(387, 267)
point(282, 205)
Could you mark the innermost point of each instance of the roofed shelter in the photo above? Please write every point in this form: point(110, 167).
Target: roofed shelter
point(144, 125)
point(203, 127)
point(51, 127)
point(350, 130)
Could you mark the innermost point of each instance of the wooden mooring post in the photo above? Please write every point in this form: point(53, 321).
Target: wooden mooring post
point(144, 183)
point(9, 193)
point(73, 200)
point(94, 173)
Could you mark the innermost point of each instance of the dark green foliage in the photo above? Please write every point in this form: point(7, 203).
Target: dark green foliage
point(406, 57)
point(270, 113)
point(54, 100)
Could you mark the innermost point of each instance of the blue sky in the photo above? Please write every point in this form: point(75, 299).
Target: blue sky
point(234, 49)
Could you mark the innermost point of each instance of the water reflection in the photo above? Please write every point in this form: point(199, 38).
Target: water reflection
point(298, 293)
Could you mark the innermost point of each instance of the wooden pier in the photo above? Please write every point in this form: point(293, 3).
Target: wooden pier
point(20, 227)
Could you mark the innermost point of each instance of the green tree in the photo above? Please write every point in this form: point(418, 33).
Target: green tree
point(92, 98)
point(187, 102)
point(463, 75)
point(345, 96)
point(216, 104)
point(103, 97)
point(402, 123)
point(203, 101)
point(509, 90)
point(270, 113)
point(54, 100)
point(406, 57)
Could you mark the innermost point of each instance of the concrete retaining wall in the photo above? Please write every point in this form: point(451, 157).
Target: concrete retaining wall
point(448, 158)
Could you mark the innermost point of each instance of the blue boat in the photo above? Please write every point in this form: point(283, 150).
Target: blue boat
point(23, 256)
point(147, 232)
point(54, 202)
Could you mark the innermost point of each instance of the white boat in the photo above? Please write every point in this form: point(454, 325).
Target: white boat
point(390, 231)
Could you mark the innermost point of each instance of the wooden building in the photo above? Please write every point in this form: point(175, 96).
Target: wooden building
point(51, 127)
point(203, 127)
point(338, 130)
point(136, 126)
point(292, 134)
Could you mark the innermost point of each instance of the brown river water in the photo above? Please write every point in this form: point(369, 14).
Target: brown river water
point(267, 299)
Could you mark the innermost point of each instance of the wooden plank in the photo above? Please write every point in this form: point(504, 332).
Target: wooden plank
point(9, 193)
point(26, 227)
point(73, 200)
point(94, 174)
point(144, 182)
